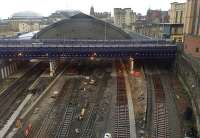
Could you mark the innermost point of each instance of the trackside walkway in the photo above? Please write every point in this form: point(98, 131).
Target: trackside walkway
point(130, 108)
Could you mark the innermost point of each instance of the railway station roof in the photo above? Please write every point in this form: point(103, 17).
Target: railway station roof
point(82, 26)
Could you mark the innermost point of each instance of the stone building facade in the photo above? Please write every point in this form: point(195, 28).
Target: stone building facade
point(157, 16)
point(124, 18)
point(192, 28)
point(105, 16)
point(177, 12)
point(24, 22)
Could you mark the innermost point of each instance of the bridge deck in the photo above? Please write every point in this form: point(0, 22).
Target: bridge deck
point(140, 49)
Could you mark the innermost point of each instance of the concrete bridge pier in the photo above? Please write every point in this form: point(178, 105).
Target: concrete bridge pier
point(131, 64)
point(53, 66)
point(7, 69)
point(12, 67)
point(2, 74)
point(5, 72)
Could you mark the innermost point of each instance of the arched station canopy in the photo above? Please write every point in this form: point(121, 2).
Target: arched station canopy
point(82, 26)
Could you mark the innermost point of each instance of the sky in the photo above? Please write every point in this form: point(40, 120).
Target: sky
point(46, 7)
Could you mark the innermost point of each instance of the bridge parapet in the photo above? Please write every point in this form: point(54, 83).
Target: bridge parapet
point(4, 42)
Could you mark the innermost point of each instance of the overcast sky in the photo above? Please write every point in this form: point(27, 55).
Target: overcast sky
point(45, 7)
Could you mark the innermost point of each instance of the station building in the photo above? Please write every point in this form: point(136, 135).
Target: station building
point(82, 26)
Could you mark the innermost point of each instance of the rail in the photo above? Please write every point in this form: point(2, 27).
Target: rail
point(66, 122)
point(160, 113)
point(121, 123)
point(89, 126)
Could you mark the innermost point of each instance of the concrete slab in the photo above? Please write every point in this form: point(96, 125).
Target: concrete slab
point(14, 116)
point(130, 108)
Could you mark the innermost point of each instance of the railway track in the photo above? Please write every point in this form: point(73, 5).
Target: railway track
point(170, 93)
point(62, 117)
point(54, 119)
point(64, 127)
point(13, 96)
point(86, 126)
point(158, 122)
point(121, 120)
point(160, 113)
point(58, 119)
point(87, 131)
point(71, 111)
point(148, 120)
point(46, 125)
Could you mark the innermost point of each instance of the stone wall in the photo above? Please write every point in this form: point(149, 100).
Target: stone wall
point(188, 69)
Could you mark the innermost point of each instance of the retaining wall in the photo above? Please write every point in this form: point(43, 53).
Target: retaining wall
point(188, 69)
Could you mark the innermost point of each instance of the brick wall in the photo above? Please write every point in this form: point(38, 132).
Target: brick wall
point(192, 46)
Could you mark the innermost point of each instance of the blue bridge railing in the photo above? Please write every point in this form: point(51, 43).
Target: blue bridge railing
point(61, 48)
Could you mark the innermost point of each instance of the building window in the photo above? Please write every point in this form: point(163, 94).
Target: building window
point(181, 17)
point(179, 39)
point(175, 30)
point(176, 20)
point(197, 50)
